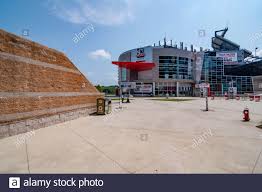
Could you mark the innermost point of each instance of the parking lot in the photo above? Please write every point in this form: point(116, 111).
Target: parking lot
point(145, 136)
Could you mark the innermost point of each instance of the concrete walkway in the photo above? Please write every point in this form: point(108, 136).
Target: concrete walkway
point(145, 136)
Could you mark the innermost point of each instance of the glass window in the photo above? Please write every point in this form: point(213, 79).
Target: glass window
point(171, 67)
point(123, 74)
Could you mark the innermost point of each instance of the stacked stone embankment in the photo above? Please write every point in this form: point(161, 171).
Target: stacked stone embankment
point(39, 86)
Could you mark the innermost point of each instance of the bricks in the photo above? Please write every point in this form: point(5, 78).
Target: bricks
point(15, 76)
point(18, 46)
point(47, 88)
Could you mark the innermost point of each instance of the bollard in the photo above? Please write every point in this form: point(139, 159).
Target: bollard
point(257, 98)
point(246, 114)
point(206, 103)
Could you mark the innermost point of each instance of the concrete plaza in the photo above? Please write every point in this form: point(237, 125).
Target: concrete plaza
point(145, 136)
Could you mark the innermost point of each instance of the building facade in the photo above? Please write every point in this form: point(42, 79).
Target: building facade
point(167, 69)
point(172, 70)
point(218, 74)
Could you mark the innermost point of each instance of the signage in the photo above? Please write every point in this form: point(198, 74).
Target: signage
point(144, 54)
point(144, 88)
point(202, 85)
point(130, 85)
point(232, 90)
point(228, 57)
point(140, 52)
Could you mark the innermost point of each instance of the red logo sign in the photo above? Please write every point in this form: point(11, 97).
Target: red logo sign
point(140, 53)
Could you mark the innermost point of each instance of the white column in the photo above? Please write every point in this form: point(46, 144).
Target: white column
point(177, 89)
point(154, 88)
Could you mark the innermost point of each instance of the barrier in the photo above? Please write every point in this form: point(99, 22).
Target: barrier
point(226, 96)
point(257, 98)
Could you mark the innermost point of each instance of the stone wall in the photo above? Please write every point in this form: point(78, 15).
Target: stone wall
point(23, 126)
point(38, 83)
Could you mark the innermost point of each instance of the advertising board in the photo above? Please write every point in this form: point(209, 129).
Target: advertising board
point(144, 88)
point(228, 57)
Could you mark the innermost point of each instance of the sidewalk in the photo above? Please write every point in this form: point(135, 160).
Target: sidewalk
point(146, 136)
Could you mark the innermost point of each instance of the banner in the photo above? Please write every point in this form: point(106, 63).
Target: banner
point(144, 88)
point(228, 57)
point(130, 85)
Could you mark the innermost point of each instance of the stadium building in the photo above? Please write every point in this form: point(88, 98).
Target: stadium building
point(229, 69)
point(158, 70)
point(179, 71)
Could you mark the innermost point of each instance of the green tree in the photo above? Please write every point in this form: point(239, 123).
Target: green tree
point(99, 88)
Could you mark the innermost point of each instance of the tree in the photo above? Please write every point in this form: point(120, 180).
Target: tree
point(99, 88)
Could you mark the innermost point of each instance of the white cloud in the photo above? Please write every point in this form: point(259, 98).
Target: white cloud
point(100, 54)
point(104, 12)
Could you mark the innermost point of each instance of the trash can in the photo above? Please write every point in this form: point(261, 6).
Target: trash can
point(104, 106)
point(108, 106)
point(100, 106)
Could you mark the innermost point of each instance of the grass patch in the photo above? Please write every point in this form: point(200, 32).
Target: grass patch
point(173, 100)
point(117, 99)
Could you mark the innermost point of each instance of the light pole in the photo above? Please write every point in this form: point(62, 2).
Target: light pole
point(206, 103)
point(120, 88)
point(256, 51)
point(142, 86)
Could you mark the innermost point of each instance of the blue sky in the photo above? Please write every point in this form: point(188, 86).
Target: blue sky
point(114, 26)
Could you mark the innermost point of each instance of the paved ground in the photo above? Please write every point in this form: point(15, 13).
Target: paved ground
point(144, 137)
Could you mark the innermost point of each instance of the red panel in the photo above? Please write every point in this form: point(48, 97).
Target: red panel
point(135, 66)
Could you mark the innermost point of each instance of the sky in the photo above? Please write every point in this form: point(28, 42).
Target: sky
point(93, 33)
